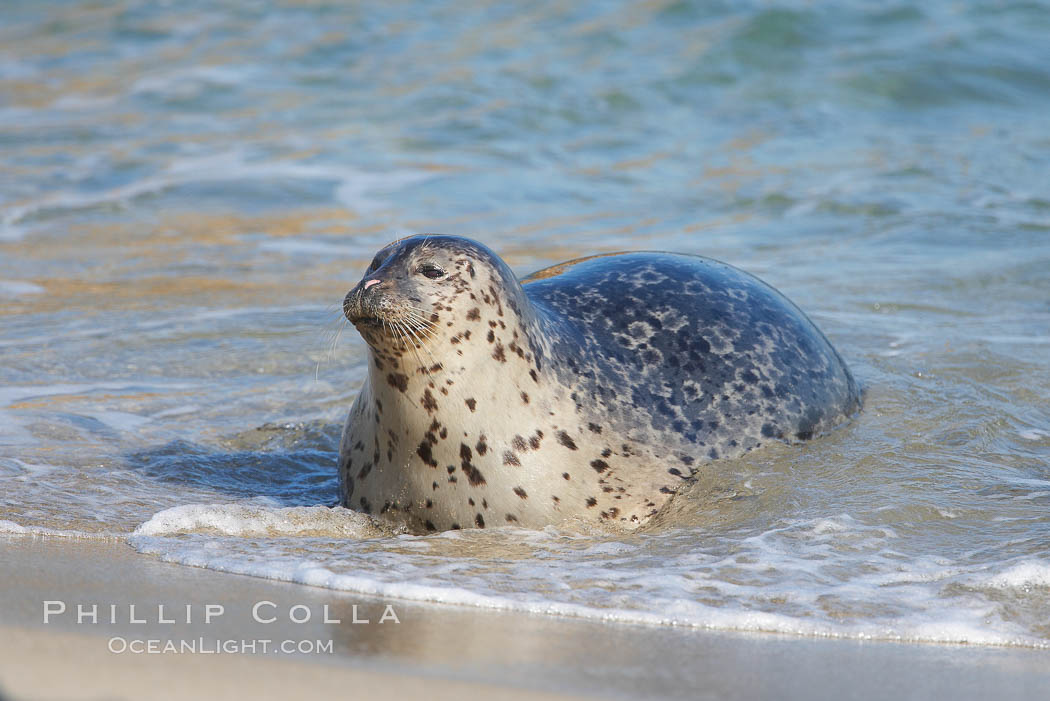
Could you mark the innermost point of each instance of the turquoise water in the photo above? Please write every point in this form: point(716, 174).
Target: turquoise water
point(188, 190)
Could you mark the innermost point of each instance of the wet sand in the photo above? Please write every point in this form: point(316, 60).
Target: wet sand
point(439, 651)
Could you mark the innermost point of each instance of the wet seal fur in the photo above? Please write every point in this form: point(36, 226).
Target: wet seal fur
point(593, 389)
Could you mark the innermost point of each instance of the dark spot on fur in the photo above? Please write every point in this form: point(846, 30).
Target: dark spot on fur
point(510, 458)
point(599, 466)
point(479, 521)
point(498, 354)
point(525, 397)
point(428, 402)
point(675, 471)
point(519, 444)
point(398, 380)
point(521, 492)
point(482, 447)
point(565, 475)
point(474, 314)
point(429, 526)
point(566, 440)
point(532, 374)
point(511, 518)
point(426, 454)
point(594, 428)
point(591, 501)
point(474, 475)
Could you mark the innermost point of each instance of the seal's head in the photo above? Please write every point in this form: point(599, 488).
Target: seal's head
point(423, 290)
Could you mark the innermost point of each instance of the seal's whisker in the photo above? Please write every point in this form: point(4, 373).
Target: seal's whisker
point(418, 322)
point(419, 344)
point(426, 332)
point(418, 314)
point(415, 349)
point(331, 351)
point(430, 330)
point(424, 313)
point(331, 335)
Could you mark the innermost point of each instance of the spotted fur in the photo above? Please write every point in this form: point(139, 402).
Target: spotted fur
point(592, 390)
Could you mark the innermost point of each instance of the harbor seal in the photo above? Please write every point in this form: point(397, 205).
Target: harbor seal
point(590, 390)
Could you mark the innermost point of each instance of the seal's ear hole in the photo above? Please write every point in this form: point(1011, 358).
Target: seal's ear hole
point(431, 271)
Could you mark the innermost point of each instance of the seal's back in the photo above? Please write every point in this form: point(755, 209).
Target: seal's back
point(690, 352)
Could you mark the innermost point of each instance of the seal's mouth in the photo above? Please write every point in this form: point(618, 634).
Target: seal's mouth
point(367, 322)
point(368, 310)
point(363, 318)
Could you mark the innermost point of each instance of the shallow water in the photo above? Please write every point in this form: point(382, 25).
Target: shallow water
point(187, 192)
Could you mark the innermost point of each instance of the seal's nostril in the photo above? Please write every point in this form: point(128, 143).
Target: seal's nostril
point(370, 283)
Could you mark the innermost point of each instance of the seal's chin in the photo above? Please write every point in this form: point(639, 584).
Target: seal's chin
point(367, 322)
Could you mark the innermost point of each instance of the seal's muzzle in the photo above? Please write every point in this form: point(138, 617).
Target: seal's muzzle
point(365, 303)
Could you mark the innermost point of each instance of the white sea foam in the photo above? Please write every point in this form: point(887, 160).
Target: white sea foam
point(416, 583)
point(1029, 573)
point(247, 520)
point(780, 581)
point(10, 528)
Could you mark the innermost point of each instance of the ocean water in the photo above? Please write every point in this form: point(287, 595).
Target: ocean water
point(187, 191)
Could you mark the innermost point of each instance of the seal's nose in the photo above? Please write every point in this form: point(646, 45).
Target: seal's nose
point(362, 301)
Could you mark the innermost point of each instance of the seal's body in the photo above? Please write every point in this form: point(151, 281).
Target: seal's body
point(592, 390)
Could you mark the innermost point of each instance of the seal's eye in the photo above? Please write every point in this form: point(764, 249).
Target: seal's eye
point(431, 271)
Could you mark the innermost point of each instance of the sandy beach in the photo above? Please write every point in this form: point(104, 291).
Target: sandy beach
point(439, 651)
